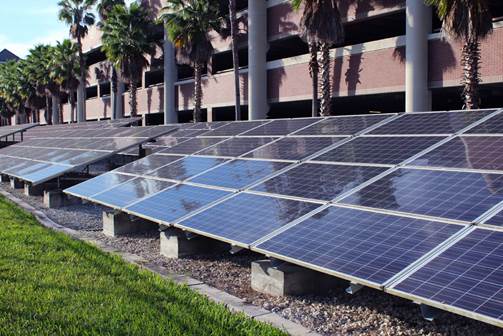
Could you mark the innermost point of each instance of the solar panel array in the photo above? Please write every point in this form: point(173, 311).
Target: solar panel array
point(371, 199)
point(50, 153)
point(14, 130)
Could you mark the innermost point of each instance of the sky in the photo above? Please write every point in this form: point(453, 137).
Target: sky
point(25, 23)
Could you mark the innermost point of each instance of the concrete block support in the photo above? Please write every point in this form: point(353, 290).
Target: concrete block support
point(287, 279)
point(16, 184)
point(117, 224)
point(5, 178)
point(31, 190)
point(175, 244)
point(57, 199)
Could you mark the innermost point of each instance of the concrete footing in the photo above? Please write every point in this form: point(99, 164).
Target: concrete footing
point(16, 184)
point(175, 244)
point(58, 199)
point(4, 179)
point(287, 279)
point(117, 224)
point(31, 190)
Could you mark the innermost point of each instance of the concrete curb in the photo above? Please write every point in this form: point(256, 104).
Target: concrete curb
point(233, 303)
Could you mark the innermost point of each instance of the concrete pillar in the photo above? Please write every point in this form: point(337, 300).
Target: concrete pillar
point(16, 184)
point(119, 100)
point(31, 190)
point(57, 199)
point(175, 244)
point(257, 62)
point(418, 26)
point(5, 178)
point(209, 114)
point(287, 279)
point(117, 224)
point(55, 109)
point(81, 103)
point(170, 76)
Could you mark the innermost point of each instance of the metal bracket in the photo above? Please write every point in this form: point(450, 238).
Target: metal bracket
point(353, 288)
point(235, 249)
point(429, 313)
point(190, 235)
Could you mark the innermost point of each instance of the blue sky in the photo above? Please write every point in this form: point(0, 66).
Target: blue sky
point(24, 23)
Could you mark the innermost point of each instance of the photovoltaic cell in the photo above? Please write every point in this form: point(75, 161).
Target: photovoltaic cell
point(496, 220)
point(185, 168)
point(98, 184)
point(193, 145)
point(493, 125)
point(147, 164)
point(349, 125)
point(236, 146)
point(131, 191)
point(175, 202)
point(237, 174)
point(281, 126)
point(318, 181)
point(246, 218)
point(472, 152)
point(380, 150)
point(453, 195)
point(235, 128)
point(367, 245)
point(293, 148)
point(431, 123)
point(468, 275)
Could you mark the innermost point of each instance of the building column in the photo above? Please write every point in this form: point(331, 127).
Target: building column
point(55, 109)
point(170, 76)
point(119, 99)
point(418, 26)
point(81, 103)
point(257, 62)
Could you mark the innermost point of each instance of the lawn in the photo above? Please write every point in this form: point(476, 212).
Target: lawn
point(51, 284)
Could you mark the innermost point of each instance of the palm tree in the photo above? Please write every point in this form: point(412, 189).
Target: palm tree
point(188, 23)
point(65, 70)
point(78, 15)
point(468, 21)
point(126, 40)
point(104, 8)
point(321, 27)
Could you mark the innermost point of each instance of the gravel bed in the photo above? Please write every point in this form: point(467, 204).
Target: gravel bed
point(369, 312)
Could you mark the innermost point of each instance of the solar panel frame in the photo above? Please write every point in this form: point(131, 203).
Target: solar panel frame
point(13, 130)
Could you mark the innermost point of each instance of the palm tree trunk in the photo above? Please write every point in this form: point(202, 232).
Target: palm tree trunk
point(235, 58)
point(72, 106)
point(470, 60)
point(326, 92)
point(82, 83)
point(132, 98)
point(198, 93)
point(113, 83)
point(48, 110)
point(314, 70)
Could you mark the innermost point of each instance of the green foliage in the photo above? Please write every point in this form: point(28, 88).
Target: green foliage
point(51, 284)
point(78, 15)
point(64, 65)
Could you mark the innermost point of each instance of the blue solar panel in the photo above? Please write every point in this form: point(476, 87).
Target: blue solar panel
point(468, 275)
point(98, 184)
point(294, 148)
point(453, 195)
point(472, 152)
point(431, 123)
point(239, 173)
point(380, 150)
point(281, 126)
point(246, 218)
point(235, 128)
point(130, 192)
point(493, 125)
point(496, 220)
point(175, 202)
point(318, 181)
point(185, 168)
point(44, 173)
point(236, 146)
point(193, 145)
point(347, 125)
point(367, 245)
point(147, 164)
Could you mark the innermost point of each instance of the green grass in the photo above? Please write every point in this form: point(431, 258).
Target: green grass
point(51, 284)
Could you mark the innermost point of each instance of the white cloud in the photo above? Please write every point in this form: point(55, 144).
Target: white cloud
point(21, 49)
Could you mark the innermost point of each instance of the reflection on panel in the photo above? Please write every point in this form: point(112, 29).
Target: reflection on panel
point(235, 128)
point(193, 145)
point(343, 125)
point(147, 164)
point(281, 126)
point(494, 125)
point(185, 168)
point(97, 184)
point(236, 146)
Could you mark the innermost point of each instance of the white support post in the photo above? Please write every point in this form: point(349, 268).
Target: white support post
point(55, 109)
point(170, 76)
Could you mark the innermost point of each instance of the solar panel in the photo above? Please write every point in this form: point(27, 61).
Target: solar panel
point(207, 125)
point(130, 191)
point(193, 145)
point(293, 148)
point(98, 184)
point(496, 220)
point(431, 122)
point(471, 152)
point(187, 133)
point(318, 181)
point(236, 146)
point(467, 276)
point(344, 125)
point(379, 150)
point(237, 174)
point(448, 194)
point(281, 127)
point(366, 245)
point(147, 164)
point(185, 168)
point(235, 128)
point(246, 218)
point(175, 202)
point(6, 131)
point(493, 125)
